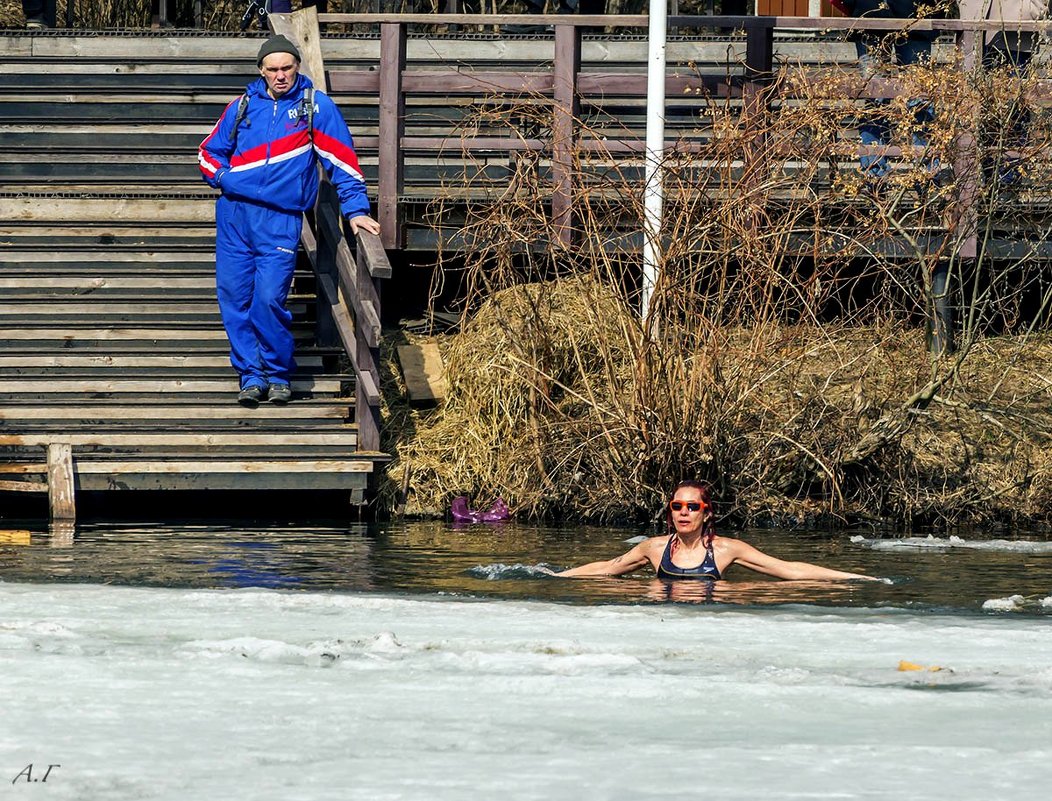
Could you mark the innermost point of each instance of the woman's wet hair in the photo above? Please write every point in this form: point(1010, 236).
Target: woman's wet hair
point(708, 529)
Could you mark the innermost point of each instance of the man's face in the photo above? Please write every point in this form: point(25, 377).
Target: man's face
point(279, 70)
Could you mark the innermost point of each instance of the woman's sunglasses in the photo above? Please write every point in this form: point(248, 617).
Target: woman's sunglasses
point(692, 506)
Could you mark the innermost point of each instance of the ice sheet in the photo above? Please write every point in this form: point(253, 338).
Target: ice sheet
point(264, 694)
point(953, 541)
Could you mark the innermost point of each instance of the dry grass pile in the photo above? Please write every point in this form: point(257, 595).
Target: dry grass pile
point(790, 422)
point(528, 353)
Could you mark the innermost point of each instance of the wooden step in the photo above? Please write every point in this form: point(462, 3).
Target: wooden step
point(224, 474)
point(110, 210)
point(249, 421)
point(37, 387)
point(163, 408)
point(109, 472)
point(120, 310)
point(158, 374)
point(100, 257)
point(346, 437)
point(47, 363)
point(76, 335)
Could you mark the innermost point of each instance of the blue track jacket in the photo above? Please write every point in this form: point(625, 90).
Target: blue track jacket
point(272, 162)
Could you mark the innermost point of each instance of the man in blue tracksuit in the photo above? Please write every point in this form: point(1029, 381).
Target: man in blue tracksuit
point(262, 155)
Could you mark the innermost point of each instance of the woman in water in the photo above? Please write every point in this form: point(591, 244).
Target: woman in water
point(693, 551)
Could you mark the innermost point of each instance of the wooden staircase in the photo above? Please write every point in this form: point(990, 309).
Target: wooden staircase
point(114, 370)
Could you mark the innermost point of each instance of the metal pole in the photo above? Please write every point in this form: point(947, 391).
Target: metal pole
point(940, 323)
point(653, 189)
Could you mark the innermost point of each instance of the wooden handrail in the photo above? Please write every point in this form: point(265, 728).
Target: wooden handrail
point(349, 307)
point(726, 22)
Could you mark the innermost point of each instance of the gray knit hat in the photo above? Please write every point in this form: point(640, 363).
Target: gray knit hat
point(277, 44)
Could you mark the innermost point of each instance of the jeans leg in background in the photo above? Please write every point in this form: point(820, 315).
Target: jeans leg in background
point(914, 51)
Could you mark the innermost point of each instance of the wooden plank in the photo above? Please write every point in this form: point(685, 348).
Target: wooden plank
point(19, 468)
point(367, 387)
point(198, 259)
point(474, 144)
point(86, 465)
point(267, 438)
point(425, 375)
point(256, 482)
point(375, 255)
point(591, 20)
point(90, 283)
point(152, 48)
point(102, 307)
point(113, 334)
point(120, 362)
point(116, 385)
point(367, 315)
point(236, 55)
point(11, 485)
point(483, 83)
point(232, 72)
point(300, 410)
point(391, 130)
point(68, 210)
point(122, 239)
point(364, 81)
point(528, 83)
point(60, 480)
point(565, 113)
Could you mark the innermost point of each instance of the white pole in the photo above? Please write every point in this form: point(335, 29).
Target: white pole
point(653, 189)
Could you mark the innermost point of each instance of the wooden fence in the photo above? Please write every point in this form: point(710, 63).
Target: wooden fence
point(562, 83)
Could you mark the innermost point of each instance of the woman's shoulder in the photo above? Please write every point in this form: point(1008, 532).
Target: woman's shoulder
point(651, 543)
point(728, 544)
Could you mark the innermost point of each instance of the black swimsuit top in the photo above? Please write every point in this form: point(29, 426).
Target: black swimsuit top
point(706, 570)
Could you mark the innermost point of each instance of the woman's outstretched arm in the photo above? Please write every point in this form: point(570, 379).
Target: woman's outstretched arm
point(753, 558)
point(626, 563)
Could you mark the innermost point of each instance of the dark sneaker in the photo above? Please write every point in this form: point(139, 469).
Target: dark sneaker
point(279, 393)
point(250, 396)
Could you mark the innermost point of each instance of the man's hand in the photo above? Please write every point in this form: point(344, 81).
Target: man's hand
point(364, 222)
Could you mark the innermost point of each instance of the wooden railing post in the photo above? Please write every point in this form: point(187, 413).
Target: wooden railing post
point(367, 409)
point(566, 110)
point(327, 244)
point(60, 481)
point(349, 289)
point(391, 130)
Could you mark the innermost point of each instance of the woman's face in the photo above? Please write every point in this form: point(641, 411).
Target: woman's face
point(690, 515)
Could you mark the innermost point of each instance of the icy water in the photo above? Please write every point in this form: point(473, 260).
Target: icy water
point(427, 662)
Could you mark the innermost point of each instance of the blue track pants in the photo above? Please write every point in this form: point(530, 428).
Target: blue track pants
point(255, 258)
